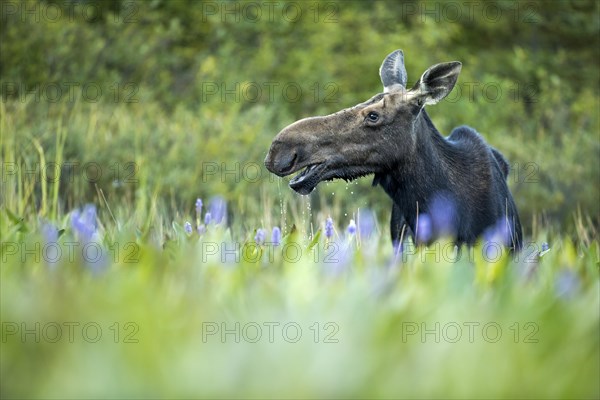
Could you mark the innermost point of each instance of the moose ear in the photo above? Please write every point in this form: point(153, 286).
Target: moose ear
point(392, 71)
point(437, 82)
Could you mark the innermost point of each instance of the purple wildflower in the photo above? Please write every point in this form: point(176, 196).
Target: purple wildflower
point(442, 210)
point(366, 224)
point(50, 235)
point(498, 233)
point(201, 229)
point(218, 209)
point(328, 228)
point(49, 232)
point(260, 236)
point(207, 218)
point(188, 228)
point(424, 228)
point(84, 226)
point(545, 247)
point(198, 207)
point(492, 251)
point(276, 236)
point(351, 227)
point(84, 223)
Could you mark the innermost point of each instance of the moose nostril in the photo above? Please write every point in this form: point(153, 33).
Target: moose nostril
point(282, 158)
point(289, 164)
point(294, 159)
point(284, 162)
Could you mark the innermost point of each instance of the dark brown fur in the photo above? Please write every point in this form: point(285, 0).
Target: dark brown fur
point(392, 137)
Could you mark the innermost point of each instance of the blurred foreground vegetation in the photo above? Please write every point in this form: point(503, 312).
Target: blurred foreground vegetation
point(142, 107)
point(207, 316)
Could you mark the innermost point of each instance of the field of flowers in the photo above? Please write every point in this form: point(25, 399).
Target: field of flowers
point(192, 307)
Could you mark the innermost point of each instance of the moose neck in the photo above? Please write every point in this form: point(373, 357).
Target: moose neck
point(413, 181)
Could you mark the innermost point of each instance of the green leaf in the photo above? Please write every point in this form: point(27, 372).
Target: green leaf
point(19, 222)
point(315, 240)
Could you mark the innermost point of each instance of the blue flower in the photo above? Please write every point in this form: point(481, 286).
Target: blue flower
point(260, 236)
point(95, 257)
point(351, 227)
point(328, 228)
point(218, 209)
point(50, 235)
point(207, 218)
point(545, 247)
point(424, 228)
point(499, 233)
point(84, 223)
point(366, 223)
point(198, 207)
point(276, 236)
point(49, 232)
point(442, 210)
point(188, 228)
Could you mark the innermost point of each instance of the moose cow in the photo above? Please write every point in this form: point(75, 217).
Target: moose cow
point(456, 184)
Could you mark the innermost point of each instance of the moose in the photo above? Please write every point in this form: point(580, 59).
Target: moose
point(457, 184)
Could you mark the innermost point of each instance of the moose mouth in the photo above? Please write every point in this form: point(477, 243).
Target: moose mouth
point(307, 180)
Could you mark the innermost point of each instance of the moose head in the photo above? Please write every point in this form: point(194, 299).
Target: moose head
point(369, 138)
point(392, 137)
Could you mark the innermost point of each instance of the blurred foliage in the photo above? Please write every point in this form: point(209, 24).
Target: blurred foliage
point(172, 314)
point(187, 85)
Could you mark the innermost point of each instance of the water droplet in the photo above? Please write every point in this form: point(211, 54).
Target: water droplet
point(282, 206)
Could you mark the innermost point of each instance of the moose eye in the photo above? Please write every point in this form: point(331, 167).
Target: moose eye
point(372, 116)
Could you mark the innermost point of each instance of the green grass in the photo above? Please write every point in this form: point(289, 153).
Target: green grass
point(165, 297)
